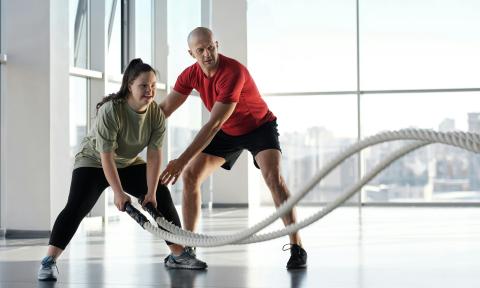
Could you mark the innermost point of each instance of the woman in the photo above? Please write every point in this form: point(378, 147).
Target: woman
point(127, 122)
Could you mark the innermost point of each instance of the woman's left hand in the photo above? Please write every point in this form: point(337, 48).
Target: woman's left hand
point(150, 198)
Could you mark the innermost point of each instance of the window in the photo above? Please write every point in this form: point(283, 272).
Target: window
point(79, 36)
point(419, 44)
point(314, 129)
point(143, 30)
point(79, 23)
point(78, 112)
point(114, 64)
point(436, 173)
point(305, 45)
point(299, 48)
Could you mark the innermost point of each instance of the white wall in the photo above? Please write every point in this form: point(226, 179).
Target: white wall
point(60, 166)
point(34, 113)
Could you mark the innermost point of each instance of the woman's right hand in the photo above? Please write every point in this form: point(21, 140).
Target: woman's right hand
point(120, 199)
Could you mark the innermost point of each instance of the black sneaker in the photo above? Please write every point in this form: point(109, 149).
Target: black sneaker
point(186, 260)
point(298, 257)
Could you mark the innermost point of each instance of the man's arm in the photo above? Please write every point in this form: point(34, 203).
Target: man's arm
point(172, 102)
point(219, 114)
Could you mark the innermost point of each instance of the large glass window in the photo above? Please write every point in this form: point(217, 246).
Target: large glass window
point(305, 45)
point(78, 112)
point(114, 63)
point(301, 47)
point(314, 129)
point(437, 173)
point(143, 30)
point(80, 58)
point(419, 44)
point(79, 33)
point(183, 17)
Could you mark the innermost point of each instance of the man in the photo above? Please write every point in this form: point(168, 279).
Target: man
point(239, 119)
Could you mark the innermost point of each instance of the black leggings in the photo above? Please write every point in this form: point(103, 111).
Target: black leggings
point(88, 184)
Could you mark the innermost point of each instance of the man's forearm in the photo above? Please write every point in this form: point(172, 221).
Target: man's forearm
point(201, 140)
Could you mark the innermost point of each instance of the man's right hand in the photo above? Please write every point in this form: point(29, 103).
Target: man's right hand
point(120, 199)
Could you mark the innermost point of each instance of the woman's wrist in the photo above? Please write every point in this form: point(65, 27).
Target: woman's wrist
point(150, 193)
point(118, 191)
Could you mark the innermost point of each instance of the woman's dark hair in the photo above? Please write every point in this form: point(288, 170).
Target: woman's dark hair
point(134, 68)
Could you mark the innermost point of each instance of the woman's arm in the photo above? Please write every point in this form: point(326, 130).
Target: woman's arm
point(154, 162)
point(111, 173)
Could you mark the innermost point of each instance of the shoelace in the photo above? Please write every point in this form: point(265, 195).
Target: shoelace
point(191, 250)
point(49, 264)
point(295, 249)
point(289, 247)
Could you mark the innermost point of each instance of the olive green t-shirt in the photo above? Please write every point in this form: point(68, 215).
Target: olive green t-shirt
point(119, 129)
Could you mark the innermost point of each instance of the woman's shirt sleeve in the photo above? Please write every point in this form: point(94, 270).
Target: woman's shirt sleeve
point(106, 130)
point(158, 130)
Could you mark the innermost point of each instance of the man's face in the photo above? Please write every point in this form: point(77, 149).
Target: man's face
point(205, 51)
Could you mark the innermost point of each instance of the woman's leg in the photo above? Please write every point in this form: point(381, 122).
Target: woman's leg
point(167, 208)
point(134, 182)
point(86, 187)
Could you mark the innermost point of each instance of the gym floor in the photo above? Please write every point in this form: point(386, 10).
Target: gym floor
point(379, 247)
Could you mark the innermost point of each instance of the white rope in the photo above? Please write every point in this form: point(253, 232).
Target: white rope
point(467, 141)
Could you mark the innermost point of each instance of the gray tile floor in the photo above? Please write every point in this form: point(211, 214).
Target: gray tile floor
point(379, 247)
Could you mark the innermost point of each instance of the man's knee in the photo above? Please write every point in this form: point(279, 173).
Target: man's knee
point(273, 179)
point(190, 180)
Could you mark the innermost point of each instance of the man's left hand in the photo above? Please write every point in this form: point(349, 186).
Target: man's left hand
point(172, 172)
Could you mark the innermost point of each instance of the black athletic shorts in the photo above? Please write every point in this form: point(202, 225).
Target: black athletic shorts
point(230, 147)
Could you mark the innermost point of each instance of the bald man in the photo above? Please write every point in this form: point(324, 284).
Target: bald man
point(239, 119)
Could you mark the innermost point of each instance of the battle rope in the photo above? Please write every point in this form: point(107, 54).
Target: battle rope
point(464, 140)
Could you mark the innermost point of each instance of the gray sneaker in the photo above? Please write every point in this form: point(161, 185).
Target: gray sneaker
point(46, 271)
point(191, 250)
point(186, 260)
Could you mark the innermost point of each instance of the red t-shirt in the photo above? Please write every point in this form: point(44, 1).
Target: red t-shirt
point(231, 83)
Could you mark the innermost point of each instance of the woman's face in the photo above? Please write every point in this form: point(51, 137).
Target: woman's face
point(142, 91)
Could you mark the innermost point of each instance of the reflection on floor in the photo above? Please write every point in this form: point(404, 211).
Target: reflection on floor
point(379, 247)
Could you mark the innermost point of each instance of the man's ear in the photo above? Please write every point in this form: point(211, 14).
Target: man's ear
point(191, 54)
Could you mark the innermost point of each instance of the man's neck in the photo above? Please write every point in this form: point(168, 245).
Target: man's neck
point(210, 72)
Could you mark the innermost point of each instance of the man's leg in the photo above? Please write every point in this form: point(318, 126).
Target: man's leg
point(193, 175)
point(269, 163)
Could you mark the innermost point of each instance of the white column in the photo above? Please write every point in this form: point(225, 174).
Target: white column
point(230, 29)
point(160, 57)
point(60, 164)
point(3, 206)
point(34, 148)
